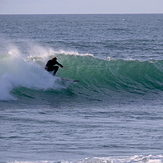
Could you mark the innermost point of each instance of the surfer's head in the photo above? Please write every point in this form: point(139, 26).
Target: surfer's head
point(54, 58)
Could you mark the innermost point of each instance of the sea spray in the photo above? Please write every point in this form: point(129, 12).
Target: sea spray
point(5, 87)
point(16, 72)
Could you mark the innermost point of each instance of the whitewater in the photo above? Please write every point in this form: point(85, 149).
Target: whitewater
point(113, 114)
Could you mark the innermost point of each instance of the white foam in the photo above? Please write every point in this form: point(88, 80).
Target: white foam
point(5, 88)
point(116, 159)
point(73, 53)
point(16, 72)
point(128, 159)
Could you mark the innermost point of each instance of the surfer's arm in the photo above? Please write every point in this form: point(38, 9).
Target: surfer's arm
point(60, 65)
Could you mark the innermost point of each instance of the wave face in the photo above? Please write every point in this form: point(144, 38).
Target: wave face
point(116, 74)
point(96, 75)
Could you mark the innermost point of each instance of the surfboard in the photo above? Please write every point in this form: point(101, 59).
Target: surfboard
point(71, 80)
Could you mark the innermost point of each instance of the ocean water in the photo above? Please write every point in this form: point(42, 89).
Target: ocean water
point(114, 114)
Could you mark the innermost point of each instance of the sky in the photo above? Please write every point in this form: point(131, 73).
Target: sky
point(80, 6)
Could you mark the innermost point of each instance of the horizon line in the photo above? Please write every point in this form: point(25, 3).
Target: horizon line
point(79, 13)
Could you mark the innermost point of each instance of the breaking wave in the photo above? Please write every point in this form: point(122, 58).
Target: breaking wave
point(96, 75)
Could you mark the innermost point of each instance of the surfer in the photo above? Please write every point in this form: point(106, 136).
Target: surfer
point(50, 65)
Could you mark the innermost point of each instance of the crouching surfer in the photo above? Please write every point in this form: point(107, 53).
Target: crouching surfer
point(50, 65)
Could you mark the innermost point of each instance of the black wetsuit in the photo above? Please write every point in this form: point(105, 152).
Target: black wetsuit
point(50, 66)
